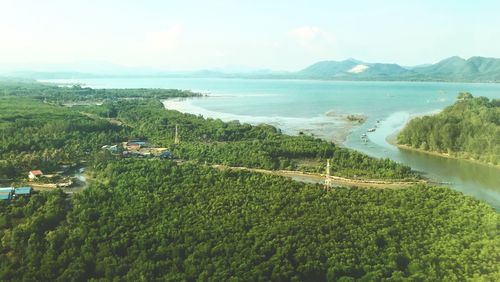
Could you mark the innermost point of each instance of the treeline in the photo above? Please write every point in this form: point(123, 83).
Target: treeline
point(159, 221)
point(470, 128)
point(78, 94)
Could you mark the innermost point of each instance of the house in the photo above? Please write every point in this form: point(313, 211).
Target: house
point(34, 174)
point(23, 191)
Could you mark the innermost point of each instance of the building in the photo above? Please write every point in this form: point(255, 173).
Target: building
point(6, 189)
point(34, 174)
point(133, 146)
point(6, 193)
point(23, 191)
point(5, 196)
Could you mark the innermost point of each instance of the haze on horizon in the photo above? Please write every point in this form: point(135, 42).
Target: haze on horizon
point(182, 35)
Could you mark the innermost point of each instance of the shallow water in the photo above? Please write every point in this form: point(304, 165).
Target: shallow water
point(301, 105)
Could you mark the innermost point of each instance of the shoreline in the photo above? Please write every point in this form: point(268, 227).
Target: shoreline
point(392, 140)
point(334, 129)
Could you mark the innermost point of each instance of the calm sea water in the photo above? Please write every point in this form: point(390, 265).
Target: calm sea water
point(300, 105)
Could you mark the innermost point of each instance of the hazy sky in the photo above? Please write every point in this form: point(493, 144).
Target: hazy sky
point(285, 35)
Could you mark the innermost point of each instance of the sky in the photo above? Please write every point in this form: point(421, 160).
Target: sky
point(279, 35)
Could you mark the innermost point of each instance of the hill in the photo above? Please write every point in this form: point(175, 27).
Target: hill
point(352, 69)
point(459, 69)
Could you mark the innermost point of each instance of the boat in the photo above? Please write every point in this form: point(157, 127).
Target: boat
point(372, 129)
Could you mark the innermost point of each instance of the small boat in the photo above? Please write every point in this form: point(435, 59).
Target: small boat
point(372, 129)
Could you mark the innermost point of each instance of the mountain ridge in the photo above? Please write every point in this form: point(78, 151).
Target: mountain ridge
point(453, 69)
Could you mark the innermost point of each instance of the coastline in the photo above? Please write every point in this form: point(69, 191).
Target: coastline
point(392, 140)
point(333, 128)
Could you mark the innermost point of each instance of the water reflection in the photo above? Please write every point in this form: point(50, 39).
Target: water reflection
point(452, 168)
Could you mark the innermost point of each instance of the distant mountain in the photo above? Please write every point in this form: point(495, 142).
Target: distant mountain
point(49, 75)
point(82, 70)
point(475, 69)
point(459, 69)
point(382, 70)
point(352, 68)
point(329, 68)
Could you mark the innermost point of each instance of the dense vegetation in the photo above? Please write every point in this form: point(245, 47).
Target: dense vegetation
point(469, 129)
point(70, 134)
point(147, 220)
point(156, 220)
point(35, 135)
point(77, 94)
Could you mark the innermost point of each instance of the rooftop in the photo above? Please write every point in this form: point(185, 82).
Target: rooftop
point(23, 190)
point(6, 189)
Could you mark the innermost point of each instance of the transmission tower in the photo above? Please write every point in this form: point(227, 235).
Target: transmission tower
point(176, 140)
point(328, 181)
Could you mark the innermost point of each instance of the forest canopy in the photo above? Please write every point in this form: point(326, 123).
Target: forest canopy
point(160, 221)
point(470, 128)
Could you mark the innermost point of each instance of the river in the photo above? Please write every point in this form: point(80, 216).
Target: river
point(316, 107)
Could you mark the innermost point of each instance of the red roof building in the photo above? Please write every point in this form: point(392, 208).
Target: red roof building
point(34, 174)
